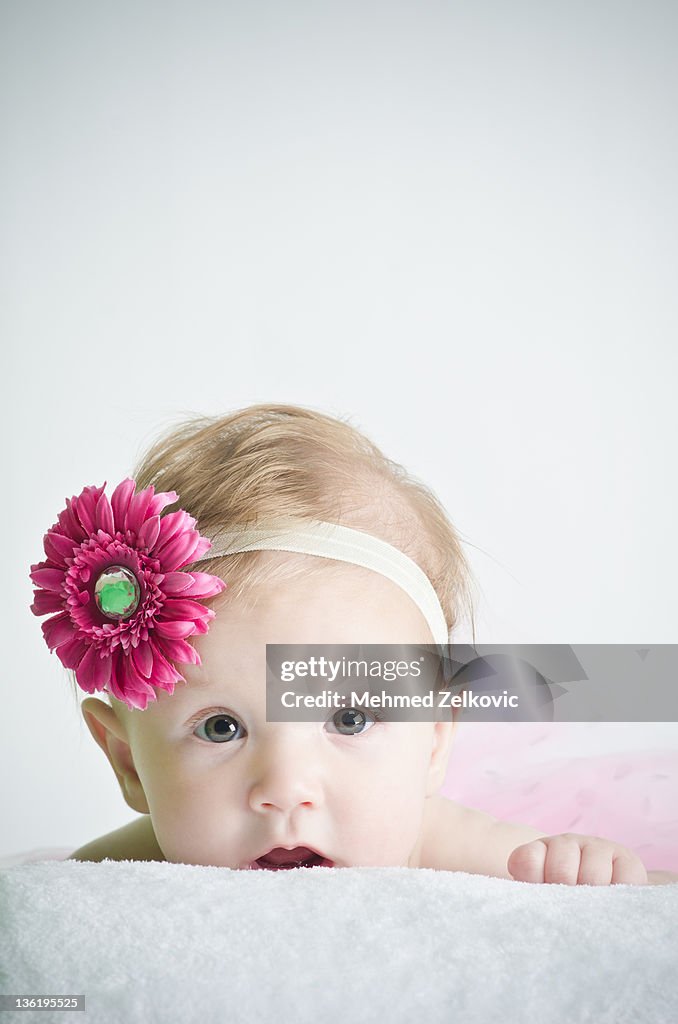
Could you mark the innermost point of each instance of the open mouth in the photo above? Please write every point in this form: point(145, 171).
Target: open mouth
point(279, 859)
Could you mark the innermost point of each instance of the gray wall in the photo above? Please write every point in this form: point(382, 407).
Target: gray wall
point(453, 222)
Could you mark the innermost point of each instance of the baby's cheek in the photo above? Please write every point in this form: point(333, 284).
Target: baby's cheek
point(175, 807)
point(382, 828)
point(179, 828)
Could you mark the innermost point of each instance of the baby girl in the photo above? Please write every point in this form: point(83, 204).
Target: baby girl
point(355, 551)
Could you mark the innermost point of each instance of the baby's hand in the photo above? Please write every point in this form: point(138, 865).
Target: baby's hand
point(576, 860)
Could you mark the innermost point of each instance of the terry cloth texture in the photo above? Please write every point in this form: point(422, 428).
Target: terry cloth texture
point(161, 942)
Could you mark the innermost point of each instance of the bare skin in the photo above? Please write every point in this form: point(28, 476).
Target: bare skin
point(456, 838)
point(274, 775)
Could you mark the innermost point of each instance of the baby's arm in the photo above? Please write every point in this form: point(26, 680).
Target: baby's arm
point(459, 838)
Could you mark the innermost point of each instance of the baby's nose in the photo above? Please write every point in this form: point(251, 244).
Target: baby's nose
point(286, 775)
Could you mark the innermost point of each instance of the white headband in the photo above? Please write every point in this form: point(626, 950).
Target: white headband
point(328, 540)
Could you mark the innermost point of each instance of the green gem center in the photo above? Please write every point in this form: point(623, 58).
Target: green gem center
point(117, 592)
point(117, 597)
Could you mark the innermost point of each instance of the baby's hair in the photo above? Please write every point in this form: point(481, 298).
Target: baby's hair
point(268, 461)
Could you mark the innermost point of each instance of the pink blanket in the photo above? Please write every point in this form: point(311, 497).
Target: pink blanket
point(630, 797)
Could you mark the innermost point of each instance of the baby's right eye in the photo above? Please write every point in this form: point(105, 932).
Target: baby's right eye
point(220, 728)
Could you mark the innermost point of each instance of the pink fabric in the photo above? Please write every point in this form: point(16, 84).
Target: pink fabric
point(631, 797)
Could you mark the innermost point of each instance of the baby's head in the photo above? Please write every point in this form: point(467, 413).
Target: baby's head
point(222, 785)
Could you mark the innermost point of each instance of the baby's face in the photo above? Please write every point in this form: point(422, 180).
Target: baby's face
point(358, 800)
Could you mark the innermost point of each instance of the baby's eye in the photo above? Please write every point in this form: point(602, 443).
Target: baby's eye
point(221, 728)
point(353, 721)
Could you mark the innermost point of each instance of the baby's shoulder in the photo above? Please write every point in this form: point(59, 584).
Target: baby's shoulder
point(134, 841)
point(451, 834)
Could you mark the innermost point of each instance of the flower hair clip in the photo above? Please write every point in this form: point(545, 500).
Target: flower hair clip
point(124, 607)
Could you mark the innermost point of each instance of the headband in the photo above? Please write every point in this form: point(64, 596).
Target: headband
point(345, 544)
point(125, 604)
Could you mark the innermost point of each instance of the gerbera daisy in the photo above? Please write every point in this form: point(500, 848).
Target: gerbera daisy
point(124, 607)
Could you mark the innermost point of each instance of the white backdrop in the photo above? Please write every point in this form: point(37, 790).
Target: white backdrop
point(454, 223)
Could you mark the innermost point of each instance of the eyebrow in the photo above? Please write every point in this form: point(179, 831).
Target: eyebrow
point(220, 690)
point(186, 695)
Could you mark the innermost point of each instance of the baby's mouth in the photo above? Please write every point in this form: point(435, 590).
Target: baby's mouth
point(280, 859)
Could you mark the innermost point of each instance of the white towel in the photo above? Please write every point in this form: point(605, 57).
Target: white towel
point(165, 943)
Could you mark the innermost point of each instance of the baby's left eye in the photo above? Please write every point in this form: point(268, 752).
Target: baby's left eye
point(219, 728)
point(353, 721)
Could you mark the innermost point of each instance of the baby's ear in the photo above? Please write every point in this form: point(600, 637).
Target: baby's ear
point(111, 735)
point(443, 734)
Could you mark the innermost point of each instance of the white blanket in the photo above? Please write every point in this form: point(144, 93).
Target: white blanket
point(160, 942)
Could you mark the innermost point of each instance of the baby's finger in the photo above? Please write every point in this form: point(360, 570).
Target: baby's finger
point(596, 865)
point(563, 857)
point(628, 869)
point(526, 863)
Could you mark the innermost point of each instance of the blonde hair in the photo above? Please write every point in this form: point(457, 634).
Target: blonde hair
point(267, 461)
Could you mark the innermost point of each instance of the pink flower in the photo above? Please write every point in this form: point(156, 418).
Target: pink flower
point(124, 610)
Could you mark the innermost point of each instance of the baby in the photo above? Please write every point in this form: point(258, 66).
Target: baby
point(216, 783)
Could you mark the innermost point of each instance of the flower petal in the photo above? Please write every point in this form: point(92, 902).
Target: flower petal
point(53, 555)
point(49, 579)
point(174, 629)
point(120, 500)
point(85, 505)
point(127, 685)
point(142, 655)
point(178, 551)
point(203, 546)
point(94, 671)
point(204, 584)
point(72, 652)
point(133, 678)
point(46, 601)
point(179, 650)
point(148, 534)
point(103, 516)
point(180, 608)
point(138, 506)
point(163, 674)
point(176, 582)
point(163, 671)
point(161, 501)
point(69, 522)
point(171, 526)
point(170, 687)
point(58, 630)
point(58, 548)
